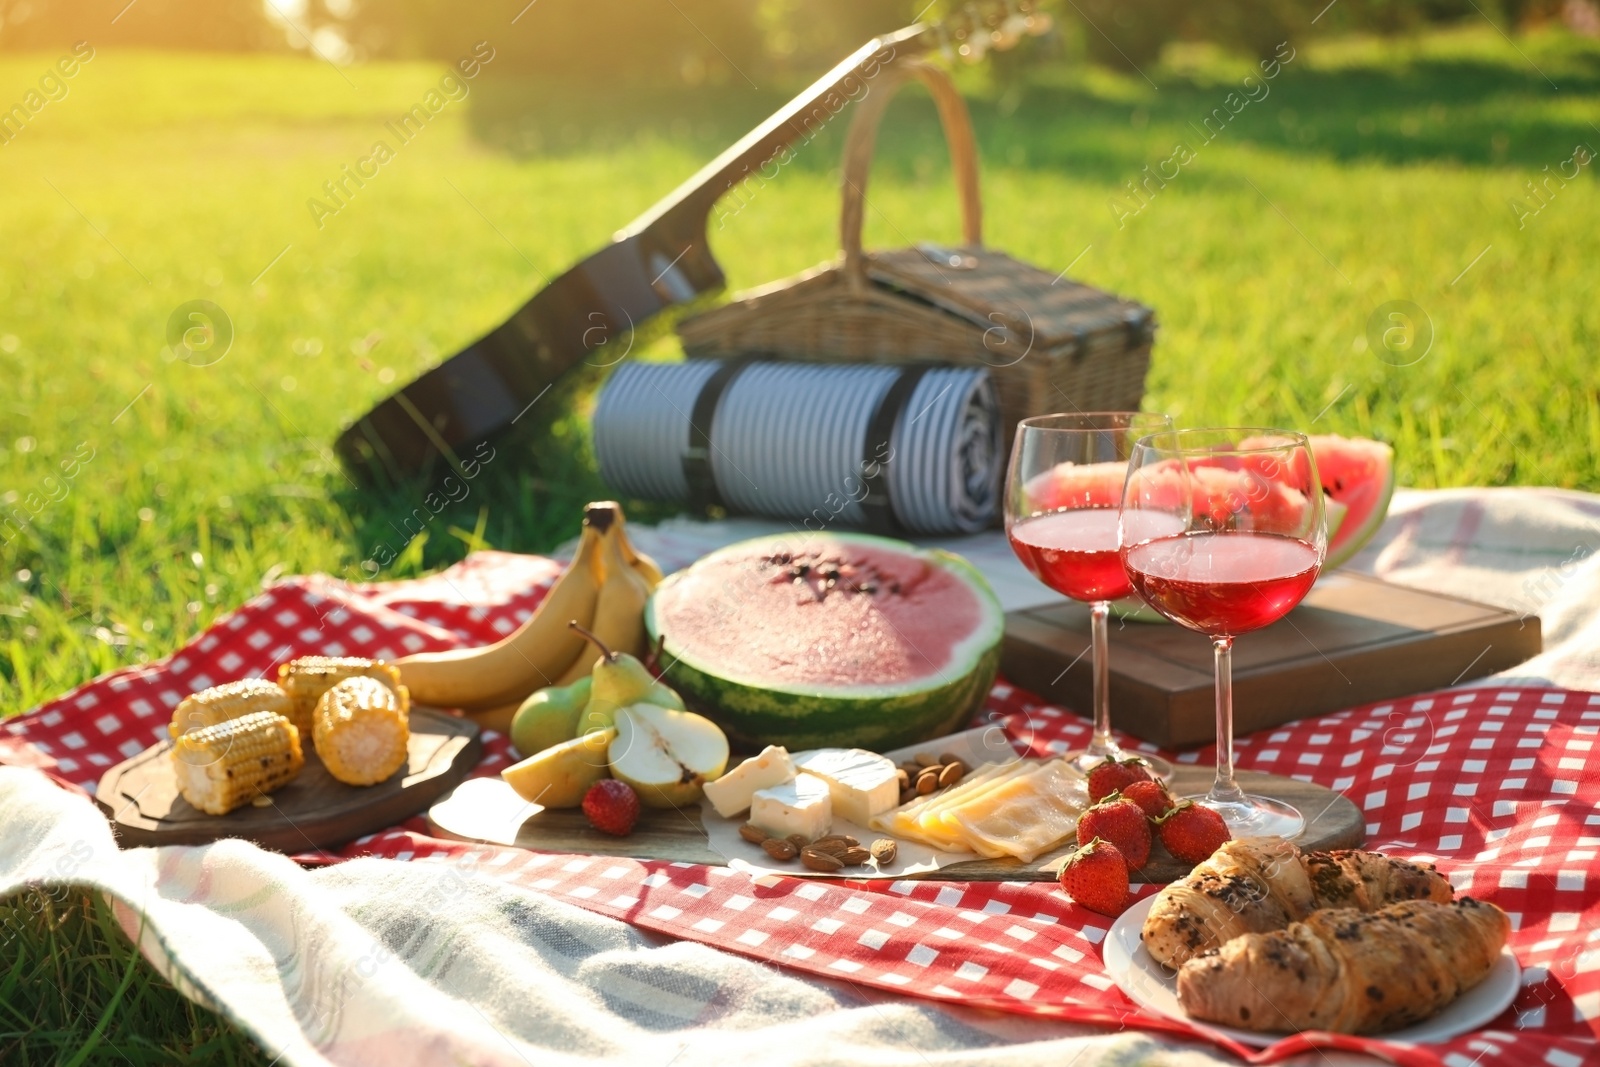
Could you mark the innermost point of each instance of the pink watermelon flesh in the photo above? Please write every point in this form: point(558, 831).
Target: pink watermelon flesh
point(835, 613)
point(1077, 485)
point(1226, 495)
point(1358, 473)
point(1271, 464)
point(1225, 488)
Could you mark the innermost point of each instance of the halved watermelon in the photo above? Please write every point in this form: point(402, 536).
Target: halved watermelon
point(1358, 473)
point(816, 640)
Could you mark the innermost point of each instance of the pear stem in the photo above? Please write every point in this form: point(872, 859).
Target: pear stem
point(611, 657)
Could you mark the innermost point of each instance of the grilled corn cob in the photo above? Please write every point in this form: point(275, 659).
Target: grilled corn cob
point(223, 702)
point(230, 763)
point(361, 731)
point(307, 678)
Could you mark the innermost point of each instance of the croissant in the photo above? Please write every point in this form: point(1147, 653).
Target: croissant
point(1258, 884)
point(1348, 971)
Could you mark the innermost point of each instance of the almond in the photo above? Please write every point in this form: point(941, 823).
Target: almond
point(948, 758)
point(908, 794)
point(779, 849)
point(846, 838)
point(927, 782)
point(951, 774)
point(753, 833)
point(884, 851)
point(832, 848)
point(904, 777)
point(820, 861)
point(855, 856)
point(799, 841)
point(925, 760)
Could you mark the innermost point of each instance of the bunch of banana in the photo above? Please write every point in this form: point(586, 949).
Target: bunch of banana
point(604, 589)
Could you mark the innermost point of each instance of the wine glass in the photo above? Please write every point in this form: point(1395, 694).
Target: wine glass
point(1063, 495)
point(1222, 532)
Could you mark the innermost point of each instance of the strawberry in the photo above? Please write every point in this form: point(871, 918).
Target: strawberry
point(1096, 876)
point(1122, 823)
point(1192, 832)
point(1114, 775)
point(612, 807)
point(1152, 796)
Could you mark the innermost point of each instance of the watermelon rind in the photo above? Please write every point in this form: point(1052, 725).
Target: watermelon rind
point(1356, 530)
point(1333, 516)
point(757, 712)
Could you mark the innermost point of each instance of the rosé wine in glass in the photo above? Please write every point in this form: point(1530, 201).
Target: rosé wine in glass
point(1223, 582)
point(1063, 513)
point(1249, 543)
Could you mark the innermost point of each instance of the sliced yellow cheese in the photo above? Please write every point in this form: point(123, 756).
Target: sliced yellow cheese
point(903, 816)
point(1024, 817)
point(904, 819)
point(931, 822)
point(919, 820)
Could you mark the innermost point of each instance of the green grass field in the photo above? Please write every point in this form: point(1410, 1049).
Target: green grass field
point(1363, 173)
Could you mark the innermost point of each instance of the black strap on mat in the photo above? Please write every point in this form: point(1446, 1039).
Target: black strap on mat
point(703, 492)
point(875, 503)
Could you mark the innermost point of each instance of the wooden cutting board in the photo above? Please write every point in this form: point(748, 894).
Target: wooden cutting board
point(1333, 822)
point(140, 795)
point(1354, 640)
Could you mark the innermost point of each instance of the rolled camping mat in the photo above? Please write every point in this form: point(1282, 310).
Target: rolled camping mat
point(893, 448)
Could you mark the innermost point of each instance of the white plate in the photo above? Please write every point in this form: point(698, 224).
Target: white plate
point(1152, 986)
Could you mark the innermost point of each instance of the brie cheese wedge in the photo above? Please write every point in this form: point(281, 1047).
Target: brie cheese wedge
point(731, 794)
point(799, 807)
point(863, 784)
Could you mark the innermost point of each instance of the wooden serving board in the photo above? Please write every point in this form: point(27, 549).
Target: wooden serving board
point(1333, 822)
point(1354, 640)
point(140, 795)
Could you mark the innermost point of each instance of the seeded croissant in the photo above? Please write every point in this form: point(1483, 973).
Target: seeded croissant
point(1260, 884)
point(1348, 971)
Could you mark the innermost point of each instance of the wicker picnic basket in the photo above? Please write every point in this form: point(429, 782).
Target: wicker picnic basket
point(1051, 344)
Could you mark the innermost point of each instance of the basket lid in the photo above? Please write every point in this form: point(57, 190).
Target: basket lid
point(989, 288)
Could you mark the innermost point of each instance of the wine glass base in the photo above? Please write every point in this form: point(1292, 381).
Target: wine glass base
point(1257, 816)
point(1083, 761)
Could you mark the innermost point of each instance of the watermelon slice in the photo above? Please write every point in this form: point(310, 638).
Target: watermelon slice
point(1357, 473)
point(822, 640)
point(1077, 485)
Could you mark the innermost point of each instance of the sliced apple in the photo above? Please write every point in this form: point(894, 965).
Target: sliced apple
point(560, 775)
point(665, 754)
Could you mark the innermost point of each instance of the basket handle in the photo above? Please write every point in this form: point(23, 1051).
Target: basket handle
point(862, 138)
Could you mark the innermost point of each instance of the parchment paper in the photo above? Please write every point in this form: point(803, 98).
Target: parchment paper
point(986, 744)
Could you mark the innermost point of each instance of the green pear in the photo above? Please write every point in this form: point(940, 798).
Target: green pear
point(549, 716)
point(663, 696)
point(619, 680)
point(665, 754)
point(559, 776)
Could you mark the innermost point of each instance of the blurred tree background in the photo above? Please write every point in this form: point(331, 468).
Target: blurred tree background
point(694, 42)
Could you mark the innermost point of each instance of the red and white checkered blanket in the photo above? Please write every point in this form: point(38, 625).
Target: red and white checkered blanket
point(1496, 786)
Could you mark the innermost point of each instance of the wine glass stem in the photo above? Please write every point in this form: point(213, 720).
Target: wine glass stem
point(1100, 657)
point(1225, 789)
